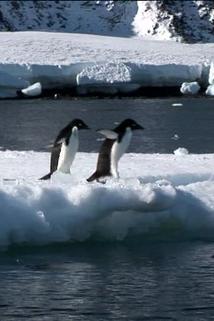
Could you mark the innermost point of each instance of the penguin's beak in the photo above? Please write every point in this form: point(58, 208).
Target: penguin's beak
point(137, 126)
point(85, 127)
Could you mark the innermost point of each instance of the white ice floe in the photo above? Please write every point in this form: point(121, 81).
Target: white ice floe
point(157, 197)
point(211, 74)
point(181, 151)
point(210, 90)
point(190, 88)
point(175, 137)
point(113, 64)
point(177, 104)
point(33, 90)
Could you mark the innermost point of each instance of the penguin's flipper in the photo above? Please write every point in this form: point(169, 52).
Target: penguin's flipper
point(104, 161)
point(55, 153)
point(110, 134)
point(54, 161)
point(48, 176)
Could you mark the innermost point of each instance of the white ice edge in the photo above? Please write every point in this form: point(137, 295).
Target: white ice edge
point(69, 60)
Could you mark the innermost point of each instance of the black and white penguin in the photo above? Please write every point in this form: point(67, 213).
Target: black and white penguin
point(65, 148)
point(112, 149)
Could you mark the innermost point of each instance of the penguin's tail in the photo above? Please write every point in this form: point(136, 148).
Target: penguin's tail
point(48, 176)
point(93, 177)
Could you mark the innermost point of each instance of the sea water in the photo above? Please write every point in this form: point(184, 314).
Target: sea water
point(169, 123)
point(128, 279)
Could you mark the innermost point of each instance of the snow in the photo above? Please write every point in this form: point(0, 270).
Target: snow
point(104, 17)
point(108, 73)
point(159, 196)
point(185, 21)
point(145, 22)
point(59, 60)
point(181, 151)
point(211, 74)
point(190, 88)
point(210, 90)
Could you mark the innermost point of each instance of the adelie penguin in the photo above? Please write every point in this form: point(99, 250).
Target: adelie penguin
point(112, 149)
point(65, 148)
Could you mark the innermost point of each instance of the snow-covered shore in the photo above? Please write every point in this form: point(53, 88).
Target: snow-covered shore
point(98, 63)
point(159, 196)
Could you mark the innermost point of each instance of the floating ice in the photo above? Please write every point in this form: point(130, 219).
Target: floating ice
point(211, 74)
point(157, 197)
point(181, 151)
point(210, 90)
point(190, 88)
point(33, 90)
point(177, 104)
point(175, 137)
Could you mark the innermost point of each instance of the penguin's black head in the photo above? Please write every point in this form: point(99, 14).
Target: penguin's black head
point(79, 124)
point(128, 123)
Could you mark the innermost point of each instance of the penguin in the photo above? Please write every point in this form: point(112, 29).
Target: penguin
point(65, 147)
point(112, 149)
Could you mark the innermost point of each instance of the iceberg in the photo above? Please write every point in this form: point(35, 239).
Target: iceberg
point(190, 88)
point(33, 90)
point(210, 90)
point(211, 74)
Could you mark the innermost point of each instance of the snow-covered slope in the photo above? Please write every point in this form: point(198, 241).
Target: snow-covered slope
point(188, 21)
point(97, 17)
point(157, 197)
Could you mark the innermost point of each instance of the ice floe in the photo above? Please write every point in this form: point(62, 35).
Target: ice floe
point(159, 196)
point(33, 90)
point(210, 90)
point(181, 151)
point(190, 88)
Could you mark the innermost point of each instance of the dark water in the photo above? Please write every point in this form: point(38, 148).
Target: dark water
point(109, 282)
point(105, 281)
point(33, 124)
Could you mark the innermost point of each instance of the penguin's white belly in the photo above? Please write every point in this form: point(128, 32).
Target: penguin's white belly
point(67, 154)
point(117, 151)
